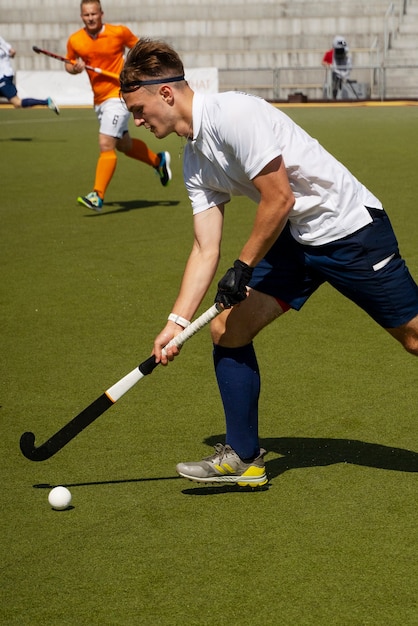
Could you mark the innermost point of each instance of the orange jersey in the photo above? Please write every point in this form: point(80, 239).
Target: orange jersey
point(106, 51)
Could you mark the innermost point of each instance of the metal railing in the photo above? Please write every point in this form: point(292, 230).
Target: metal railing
point(393, 18)
point(374, 81)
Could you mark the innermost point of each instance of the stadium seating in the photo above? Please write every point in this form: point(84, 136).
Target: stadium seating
point(245, 40)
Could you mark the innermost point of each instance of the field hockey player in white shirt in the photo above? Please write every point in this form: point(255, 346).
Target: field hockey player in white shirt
point(314, 223)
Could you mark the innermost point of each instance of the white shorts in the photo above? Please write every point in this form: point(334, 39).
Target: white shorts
point(113, 117)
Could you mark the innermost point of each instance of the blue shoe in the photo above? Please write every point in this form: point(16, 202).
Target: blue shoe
point(163, 169)
point(91, 201)
point(53, 106)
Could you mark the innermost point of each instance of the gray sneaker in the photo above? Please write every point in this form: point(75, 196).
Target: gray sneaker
point(225, 466)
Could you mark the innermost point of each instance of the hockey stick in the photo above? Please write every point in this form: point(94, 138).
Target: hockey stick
point(353, 90)
point(65, 60)
point(109, 397)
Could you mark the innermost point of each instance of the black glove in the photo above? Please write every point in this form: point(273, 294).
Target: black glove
point(232, 288)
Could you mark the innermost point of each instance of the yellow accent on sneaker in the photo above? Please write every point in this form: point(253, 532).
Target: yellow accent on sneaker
point(253, 471)
point(224, 468)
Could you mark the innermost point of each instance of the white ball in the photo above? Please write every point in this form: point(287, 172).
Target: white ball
point(59, 498)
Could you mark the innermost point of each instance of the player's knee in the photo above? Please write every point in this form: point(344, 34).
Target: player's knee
point(218, 328)
point(239, 325)
point(410, 343)
point(407, 335)
point(229, 333)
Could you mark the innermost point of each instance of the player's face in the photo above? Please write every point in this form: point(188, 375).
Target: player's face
point(150, 109)
point(91, 14)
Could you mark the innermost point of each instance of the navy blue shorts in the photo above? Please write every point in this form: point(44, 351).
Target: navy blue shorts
point(366, 267)
point(7, 87)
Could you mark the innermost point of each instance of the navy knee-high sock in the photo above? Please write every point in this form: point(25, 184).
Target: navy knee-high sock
point(238, 379)
point(33, 102)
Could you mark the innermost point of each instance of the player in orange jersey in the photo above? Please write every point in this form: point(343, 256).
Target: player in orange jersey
point(103, 45)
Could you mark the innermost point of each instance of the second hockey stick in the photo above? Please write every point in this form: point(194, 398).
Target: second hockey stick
point(98, 70)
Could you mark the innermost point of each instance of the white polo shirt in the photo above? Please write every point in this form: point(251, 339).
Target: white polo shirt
point(236, 135)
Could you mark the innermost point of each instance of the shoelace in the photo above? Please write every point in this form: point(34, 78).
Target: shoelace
point(220, 453)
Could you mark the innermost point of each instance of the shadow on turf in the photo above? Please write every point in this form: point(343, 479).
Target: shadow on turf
point(105, 482)
point(123, 206)
point(296, 453)
point(18, 139)
point(300, 452)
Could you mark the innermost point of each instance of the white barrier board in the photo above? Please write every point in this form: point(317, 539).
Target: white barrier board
point(66, 89)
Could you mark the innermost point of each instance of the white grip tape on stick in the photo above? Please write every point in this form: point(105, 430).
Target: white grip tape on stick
point(124, 384)
point(194, 327)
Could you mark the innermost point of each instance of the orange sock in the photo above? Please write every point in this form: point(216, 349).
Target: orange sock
point(105, 169)
point(141, 152)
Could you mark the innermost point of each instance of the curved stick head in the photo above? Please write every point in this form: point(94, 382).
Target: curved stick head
point(27, 445)
point(36, 49)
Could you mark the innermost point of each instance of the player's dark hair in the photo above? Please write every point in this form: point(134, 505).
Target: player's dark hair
point(150, 59)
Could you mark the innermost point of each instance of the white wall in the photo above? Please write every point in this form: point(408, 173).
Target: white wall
point(67, 89)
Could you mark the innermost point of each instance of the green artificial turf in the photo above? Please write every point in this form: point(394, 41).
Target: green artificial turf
point(333, 541)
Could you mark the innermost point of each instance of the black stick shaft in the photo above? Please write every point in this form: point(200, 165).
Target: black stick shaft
point(109, 397)
point(83, 419)
point(63, 436)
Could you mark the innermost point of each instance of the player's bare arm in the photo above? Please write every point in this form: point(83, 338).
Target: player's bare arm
point(197, 278)
point(75, 68)
point(276, 202)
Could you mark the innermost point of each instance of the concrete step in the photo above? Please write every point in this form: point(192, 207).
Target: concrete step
point(125, 5)
point(121, 11)
point(402, 63)
point(228, 34)
point(408, 28)
point(222, 59)
point(299, 44)
point(267, 59)
point(23, 39)
point(216, 10)
point(401, 56)
point(412, 9)
point(165, 28)
point(406, 42)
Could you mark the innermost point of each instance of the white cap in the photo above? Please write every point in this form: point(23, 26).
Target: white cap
point(339, 42)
